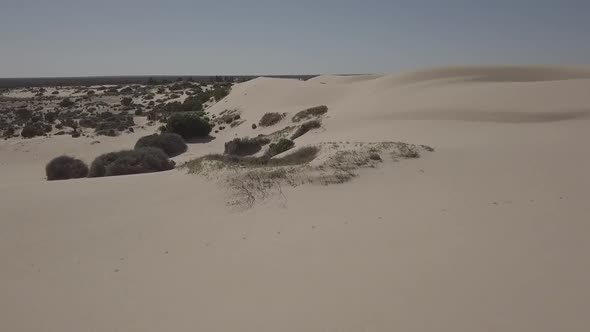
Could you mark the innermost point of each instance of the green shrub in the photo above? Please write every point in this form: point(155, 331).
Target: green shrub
point(188, 125)
point(106, 132)
point(304, 128)
point(142, 160)
point(126, 101)
point(31, 130)
point(270, 119)
point(171, 144)
point(66, 102)
point(281, 146)
point(310, 112)
point(242, 147)
point(64, 167)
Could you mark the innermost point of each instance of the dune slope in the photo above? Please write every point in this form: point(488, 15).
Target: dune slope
point(486, 233)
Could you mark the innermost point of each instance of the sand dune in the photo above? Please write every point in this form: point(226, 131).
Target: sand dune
point(489, 232)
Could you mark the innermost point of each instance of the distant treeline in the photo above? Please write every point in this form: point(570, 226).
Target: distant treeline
point(118, 80)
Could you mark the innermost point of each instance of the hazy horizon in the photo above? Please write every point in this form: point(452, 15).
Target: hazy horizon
point(65, 38)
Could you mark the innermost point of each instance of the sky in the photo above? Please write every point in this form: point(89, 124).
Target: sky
point(53, 38)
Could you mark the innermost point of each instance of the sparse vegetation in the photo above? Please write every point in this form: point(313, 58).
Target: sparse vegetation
point(142, 160)
point(281, 146)
point(298, 157)
point(270, 119)
point(242, 146)
point(310, 113)
point(304, 128)
point(65, 167)
point(172, 144)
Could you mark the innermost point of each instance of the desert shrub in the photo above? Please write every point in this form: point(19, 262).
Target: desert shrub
point(220, 92)
point(138, 112)
point(304, 128)
point(190, 104)
point(88, 123)
point(50, 117)
point(126, 91)
point(142, 160)
point(242, 147)
point(171, 144)
point(106, 132)
point(310, 112)
point(31, 130)
point(281, 146)
point(188, 125)
point(64, 167)
point(126, 101)
point(23, 114)
point(66, 103)
point(56, 92)
point(375, 156)
point(254, 126)
point(8, 132)
point(270, 119)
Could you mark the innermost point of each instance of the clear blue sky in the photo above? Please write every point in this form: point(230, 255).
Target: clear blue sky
point(145, 37)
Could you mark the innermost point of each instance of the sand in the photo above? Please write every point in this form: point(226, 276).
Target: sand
point(487, 233)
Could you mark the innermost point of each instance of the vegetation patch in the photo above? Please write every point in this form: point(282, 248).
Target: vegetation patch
point(298, 157)
point(270, 119)
point(244, 146)
point(281, 146)
point(310, 113)
point(304, 128)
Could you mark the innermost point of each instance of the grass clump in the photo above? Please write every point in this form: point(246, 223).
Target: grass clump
point(299, 157)
point(172, 144)
point(188, 125)
point(281, 146)
point(141, 160)
point(310, 113)
point(65, 167)
point(270, 119)
point(304, 128)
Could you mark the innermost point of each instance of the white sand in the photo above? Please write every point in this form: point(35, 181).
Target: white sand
point(488, 233)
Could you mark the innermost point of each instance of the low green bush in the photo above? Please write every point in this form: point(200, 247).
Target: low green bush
point(304, 128)
point(142, 160)
point(188, 125)
point(270, 119)
point(65, 167)
point(281, 146)
point(172, 144)
point(310, 112)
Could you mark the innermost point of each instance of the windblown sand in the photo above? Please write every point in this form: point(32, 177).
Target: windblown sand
point(487, 233)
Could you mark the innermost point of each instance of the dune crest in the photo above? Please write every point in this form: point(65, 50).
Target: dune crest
point(497, 74)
